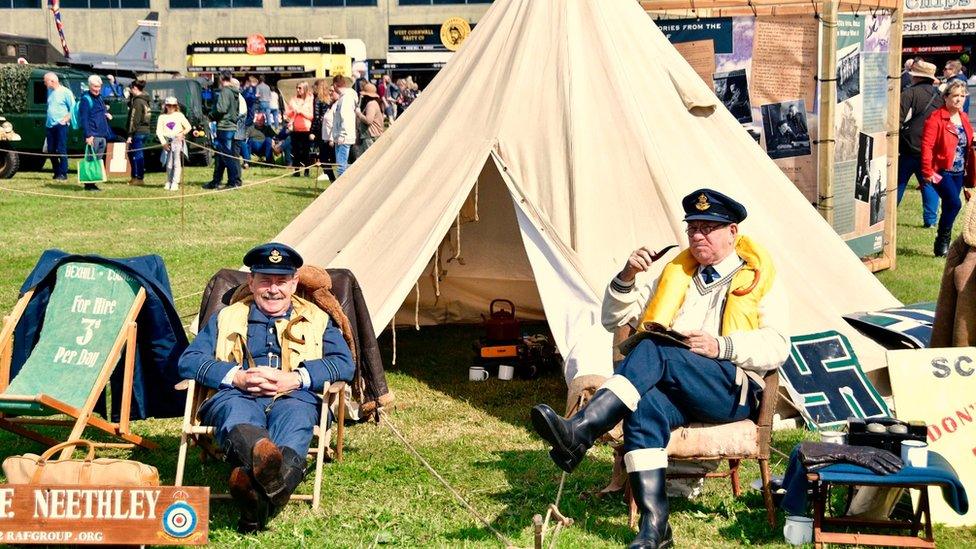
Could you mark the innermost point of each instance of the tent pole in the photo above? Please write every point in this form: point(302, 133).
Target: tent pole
point(828, 102)
point(894, 123)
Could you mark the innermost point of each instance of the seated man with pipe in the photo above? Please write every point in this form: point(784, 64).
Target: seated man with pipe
point(722, 293)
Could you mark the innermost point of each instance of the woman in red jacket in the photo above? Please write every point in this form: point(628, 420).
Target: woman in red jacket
point(948, 158)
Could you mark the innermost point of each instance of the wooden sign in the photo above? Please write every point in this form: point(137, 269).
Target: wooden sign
point(116, 160)
point(938, 386)
point(104, 515)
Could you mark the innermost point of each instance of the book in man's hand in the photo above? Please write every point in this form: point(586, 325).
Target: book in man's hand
point(656, 331)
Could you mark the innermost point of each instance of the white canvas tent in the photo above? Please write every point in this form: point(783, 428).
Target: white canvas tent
point(570, 130)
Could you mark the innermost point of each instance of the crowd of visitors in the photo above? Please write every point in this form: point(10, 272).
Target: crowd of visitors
point(330, 122)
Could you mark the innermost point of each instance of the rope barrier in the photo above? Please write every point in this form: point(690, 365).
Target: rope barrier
point(152, 198)
point(80, 155)
point(471, 510)
point(256, 162)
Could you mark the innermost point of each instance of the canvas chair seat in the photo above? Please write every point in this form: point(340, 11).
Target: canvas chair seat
point(89, 324)
point(723, 441)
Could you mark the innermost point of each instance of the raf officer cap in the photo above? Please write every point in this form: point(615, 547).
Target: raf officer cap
point(709, 205)
point(273, 258)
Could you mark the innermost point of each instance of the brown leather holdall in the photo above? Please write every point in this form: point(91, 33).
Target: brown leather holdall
point(91, 471)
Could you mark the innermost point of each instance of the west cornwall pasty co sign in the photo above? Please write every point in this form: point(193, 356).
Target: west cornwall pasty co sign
point(929, 27)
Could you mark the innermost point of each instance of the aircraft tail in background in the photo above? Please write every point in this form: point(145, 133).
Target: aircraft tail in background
point(141, 45)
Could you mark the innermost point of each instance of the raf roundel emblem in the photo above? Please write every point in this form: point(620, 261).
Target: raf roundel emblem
point(275, 256)
point(179, 520)
point(702, 203)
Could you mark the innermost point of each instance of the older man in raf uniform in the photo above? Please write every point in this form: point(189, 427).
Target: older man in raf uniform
point(268, 357)
point(723, 294)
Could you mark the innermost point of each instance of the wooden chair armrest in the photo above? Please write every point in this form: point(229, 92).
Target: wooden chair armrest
point(334, 388)
point(184, 385)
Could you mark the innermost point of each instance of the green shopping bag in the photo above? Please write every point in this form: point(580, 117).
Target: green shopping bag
point(91, 169)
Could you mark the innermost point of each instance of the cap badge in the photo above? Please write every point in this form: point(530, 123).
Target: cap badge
point(702, 203)
point(274, 256)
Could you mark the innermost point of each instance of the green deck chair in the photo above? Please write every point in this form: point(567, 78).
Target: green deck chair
point(89, 320)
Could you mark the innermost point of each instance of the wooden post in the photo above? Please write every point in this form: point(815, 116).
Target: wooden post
point(894, 123)
point(828, 104)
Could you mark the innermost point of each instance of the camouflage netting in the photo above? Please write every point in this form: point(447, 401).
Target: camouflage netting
point(13, 83)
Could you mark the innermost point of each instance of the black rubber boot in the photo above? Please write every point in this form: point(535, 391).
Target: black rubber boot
point(942, 240)
point(571, 438)
point(650, 493)
point(292, 473)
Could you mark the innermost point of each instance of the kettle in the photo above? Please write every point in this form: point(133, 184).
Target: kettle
point(501, 324)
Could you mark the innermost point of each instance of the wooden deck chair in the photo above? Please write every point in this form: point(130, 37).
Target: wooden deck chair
point(192, 431)
point(89, 320)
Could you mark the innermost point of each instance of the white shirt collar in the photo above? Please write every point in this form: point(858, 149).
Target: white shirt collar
point(725, 269)
point(726, 266)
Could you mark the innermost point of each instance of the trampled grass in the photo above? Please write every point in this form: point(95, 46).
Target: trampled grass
point(477, 436)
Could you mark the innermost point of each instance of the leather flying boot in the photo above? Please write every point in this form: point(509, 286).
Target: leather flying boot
point(942, 240)
point(650, 493)
point(254, 506)
point(571, 438)
point(240, 444)
point(292, 474)
point(266, 458)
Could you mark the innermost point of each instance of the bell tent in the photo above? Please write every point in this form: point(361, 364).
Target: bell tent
point(559, 138)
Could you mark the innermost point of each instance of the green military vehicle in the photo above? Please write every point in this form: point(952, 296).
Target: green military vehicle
point(23, 100)
point(189, 93)
point(9, 160)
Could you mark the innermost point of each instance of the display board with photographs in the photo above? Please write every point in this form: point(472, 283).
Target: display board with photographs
point(764, 71)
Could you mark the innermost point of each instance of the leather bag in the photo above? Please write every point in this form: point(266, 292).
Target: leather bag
point(91, 471)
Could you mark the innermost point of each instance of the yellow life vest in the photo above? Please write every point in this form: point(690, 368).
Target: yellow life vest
point(305, 329)
point(749, 285)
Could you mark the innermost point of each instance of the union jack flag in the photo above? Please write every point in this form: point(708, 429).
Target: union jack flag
point(55, 7)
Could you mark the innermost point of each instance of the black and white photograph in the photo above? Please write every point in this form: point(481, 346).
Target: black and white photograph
point(878, 191)
point(846, 134)
point(862, 175)
point(785, 129)
point(848, 73)
point(732, 89)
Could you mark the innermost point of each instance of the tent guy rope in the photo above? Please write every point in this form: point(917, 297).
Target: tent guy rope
point(471, 510)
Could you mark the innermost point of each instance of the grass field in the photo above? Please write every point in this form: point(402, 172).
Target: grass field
point(476, 435)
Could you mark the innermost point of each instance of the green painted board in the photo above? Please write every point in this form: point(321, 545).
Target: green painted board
point(86, 312)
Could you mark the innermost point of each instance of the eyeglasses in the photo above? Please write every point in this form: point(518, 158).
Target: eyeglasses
point(704, 228)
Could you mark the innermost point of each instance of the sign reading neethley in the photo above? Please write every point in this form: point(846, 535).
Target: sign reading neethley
point(156, 515)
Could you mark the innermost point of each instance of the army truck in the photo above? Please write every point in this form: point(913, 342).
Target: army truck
point(9, 160)
point(189, 93)
point(23, 101)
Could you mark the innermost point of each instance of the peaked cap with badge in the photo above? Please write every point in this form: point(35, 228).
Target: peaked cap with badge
point(273, 258)
point(711, 205)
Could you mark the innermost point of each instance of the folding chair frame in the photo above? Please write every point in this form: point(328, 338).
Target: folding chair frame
point(201, 435)
point(82, 417)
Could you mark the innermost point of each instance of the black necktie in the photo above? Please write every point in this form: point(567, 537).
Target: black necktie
point(708, 274)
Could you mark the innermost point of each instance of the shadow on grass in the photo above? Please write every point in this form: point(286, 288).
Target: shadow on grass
point(533, 483)
point(439, 356)
point(913, 252)
point(307, 192)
